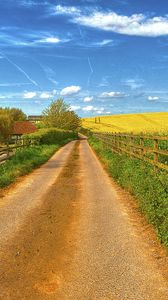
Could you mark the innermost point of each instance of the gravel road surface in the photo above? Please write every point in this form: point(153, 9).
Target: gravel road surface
point(67, 233)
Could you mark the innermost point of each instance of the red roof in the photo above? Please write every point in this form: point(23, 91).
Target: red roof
point(23, 127)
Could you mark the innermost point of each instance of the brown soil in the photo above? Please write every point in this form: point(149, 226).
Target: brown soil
point(33, 264)
point(85, 240)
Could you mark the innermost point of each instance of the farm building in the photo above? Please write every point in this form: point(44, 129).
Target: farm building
point(35, 119)
point(23, 127)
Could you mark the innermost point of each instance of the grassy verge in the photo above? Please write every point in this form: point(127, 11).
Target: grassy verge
point(139, 178)
point(25, 160)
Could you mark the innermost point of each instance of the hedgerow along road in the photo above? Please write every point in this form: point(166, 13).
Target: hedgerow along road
point(68, 232)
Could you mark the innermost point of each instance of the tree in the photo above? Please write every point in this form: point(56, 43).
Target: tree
point(6, 125)
point(59, 115)
point(7, 117)
point(17, 114)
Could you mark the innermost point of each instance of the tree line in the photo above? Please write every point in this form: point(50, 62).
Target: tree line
point(58, 114)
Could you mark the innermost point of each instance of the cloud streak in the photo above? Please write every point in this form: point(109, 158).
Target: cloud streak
point(134, 84)
point(91, 71)
point(20, 70)
point(14, 84)
point(112, 95)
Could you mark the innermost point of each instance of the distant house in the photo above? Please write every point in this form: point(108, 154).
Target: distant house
point(34, 118)
point(23, 127)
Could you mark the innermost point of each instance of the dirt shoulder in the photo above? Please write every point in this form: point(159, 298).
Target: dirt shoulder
point(33, 262)
point(17, 201)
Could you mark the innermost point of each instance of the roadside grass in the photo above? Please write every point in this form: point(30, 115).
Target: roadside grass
point(25, 160)
point(150, 188)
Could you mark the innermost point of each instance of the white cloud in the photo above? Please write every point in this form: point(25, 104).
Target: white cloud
point(14, 84)
point(30, 3)
point(88, 108)
point(75, 107)
point(54, 92)
point(153, 98)
point(26, 3)
point(66, 10)
point(99, 112)
point(50, 40)
point(134, 83)
point(29, 95)
point(92, 108)
point(53, 80)
point(70, 90)
point(47, 40)
point(88, 99)
point(136, 24)
point(112, 95)
point(99, 108)
point(103, 43)
point(104, 82)
point(45, 95)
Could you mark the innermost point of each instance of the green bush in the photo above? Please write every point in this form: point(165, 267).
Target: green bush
point(50, 136)
point(149, 187)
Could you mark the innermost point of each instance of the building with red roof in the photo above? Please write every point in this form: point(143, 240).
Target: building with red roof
point(23, 127)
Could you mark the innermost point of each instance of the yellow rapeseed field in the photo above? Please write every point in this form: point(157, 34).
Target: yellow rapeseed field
point(136, 123)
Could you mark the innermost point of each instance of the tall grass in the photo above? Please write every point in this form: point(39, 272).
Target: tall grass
point(149, 187)
point(26, 159)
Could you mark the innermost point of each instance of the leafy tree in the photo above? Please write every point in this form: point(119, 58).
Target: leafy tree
point(7, 117)
point(6, 125)
point(59, 115)
point(17, 114)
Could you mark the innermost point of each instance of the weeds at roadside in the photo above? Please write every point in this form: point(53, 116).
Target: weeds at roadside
point(139, 178)
point(25, 160)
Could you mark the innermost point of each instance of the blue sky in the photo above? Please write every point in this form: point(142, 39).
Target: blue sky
point(102, 57)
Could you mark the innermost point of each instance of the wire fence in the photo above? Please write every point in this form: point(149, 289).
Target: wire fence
point(151, 149)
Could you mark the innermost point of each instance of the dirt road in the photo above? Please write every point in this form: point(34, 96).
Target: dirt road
point(68, 233)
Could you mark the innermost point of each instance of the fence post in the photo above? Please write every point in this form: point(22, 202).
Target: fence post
point(142, 146)
point(131, 147)
point(155, 153)
point(117, 143)
point(7, 144)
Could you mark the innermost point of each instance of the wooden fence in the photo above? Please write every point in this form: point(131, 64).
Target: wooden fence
point(8, 150)
point(151, 149)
